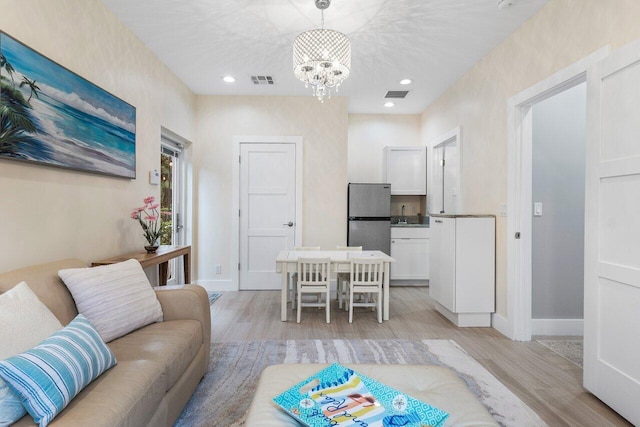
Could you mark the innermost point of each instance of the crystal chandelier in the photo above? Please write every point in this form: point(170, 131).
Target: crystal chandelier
point(322, 58)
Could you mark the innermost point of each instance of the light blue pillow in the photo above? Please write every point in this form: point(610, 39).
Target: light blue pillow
point(50, 375)
point(11, 410)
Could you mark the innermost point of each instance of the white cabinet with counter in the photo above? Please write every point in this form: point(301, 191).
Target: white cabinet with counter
point(410, 249)
point(462, 259)
point(405, 168)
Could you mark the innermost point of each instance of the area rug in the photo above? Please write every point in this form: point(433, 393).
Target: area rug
point(213, 296)
point(226, 391)
point(572, 350)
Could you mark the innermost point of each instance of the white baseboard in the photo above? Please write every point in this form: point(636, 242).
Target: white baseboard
point(217, 285)
point(502, 325)
point(572, 327)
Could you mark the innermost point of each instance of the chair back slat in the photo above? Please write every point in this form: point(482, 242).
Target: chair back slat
point(313, 271)
point(367, 271)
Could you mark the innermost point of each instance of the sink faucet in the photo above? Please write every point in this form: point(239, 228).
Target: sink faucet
point(402, 218)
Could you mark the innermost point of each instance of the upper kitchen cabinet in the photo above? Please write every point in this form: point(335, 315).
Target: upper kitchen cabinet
point(405, 168)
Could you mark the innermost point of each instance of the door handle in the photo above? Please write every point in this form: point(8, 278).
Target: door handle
point(290, 224)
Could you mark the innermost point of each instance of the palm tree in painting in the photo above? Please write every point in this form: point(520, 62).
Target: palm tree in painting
point(15, 118)
point(8, 67)
point(32, 86)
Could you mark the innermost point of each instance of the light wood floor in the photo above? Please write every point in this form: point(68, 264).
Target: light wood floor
point(549, 384)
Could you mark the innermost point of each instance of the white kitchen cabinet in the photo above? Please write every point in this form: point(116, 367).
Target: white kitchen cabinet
point(462, 258)
point(405, 169)
point(410, 249)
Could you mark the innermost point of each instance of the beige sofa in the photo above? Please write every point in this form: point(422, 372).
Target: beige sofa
point(159, 365)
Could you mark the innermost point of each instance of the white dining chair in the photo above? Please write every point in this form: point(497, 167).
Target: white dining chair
point(342, 278)
point(314, 276)
point(366, 278)
point(294, 276)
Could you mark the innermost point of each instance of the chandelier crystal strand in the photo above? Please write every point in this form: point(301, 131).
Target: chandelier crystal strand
point(322, 58)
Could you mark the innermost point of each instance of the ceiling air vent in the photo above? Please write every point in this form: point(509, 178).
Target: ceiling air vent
point(262, 80)
point(396, 94)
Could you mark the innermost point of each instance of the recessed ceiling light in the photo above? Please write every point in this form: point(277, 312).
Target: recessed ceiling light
point(504, 4)
point(229, 79)
point(405, 81)
point(389, 104)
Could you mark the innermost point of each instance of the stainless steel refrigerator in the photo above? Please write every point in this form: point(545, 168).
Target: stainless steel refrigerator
point(369, 216)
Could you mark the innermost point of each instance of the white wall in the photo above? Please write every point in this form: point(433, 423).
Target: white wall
point(559, 149)
point(50, 214)
point(369, 134)
point(323, 127)
point(563, 32)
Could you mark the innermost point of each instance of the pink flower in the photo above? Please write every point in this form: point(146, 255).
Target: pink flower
point(149, 219)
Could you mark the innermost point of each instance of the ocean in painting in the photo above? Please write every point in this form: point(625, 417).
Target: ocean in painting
point(70, 122)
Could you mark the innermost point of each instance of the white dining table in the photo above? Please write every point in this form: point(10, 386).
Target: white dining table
point(286, 262)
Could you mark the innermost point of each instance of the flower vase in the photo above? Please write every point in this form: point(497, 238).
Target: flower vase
point(151, 249)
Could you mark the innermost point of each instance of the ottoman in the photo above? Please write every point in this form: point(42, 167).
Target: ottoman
point(435, 385)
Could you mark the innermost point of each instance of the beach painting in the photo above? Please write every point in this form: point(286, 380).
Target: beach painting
point(50, 115)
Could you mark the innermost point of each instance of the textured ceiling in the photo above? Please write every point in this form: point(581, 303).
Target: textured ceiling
point(433, 42)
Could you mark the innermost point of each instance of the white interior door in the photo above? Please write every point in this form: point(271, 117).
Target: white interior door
point(612, 233)
point(267, 211)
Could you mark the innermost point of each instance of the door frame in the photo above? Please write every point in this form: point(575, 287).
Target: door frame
point(517, 324)
point(454, 134)
point(184, 182)
point(235, 192)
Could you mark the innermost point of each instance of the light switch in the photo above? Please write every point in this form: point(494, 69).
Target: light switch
point(537, 209)
point(154, 177)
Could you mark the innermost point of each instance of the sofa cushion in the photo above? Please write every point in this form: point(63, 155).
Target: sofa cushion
point(116, 298)
point(51, 374)
point(172, 344)
point(126, 395)
point(24, 322)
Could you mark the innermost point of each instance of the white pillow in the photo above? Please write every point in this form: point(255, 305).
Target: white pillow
point(24, 322)
point(116, 298)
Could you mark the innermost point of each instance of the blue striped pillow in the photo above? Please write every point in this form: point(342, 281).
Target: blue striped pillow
point(52, 373)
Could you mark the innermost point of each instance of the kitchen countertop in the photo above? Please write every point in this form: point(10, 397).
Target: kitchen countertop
point(410, 225)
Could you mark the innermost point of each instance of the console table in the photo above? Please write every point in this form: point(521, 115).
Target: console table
point(160, 258)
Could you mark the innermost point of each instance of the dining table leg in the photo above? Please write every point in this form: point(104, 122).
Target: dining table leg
point(284, 291)
point(385, 291)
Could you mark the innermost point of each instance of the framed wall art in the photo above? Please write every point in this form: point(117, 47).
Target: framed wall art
point(50, 115)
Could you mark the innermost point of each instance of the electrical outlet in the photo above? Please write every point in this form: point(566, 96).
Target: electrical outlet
point(218, 269)
point(502, 209)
